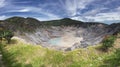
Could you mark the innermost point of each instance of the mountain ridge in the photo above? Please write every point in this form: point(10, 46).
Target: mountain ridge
point(63, 34)
point(29, 24)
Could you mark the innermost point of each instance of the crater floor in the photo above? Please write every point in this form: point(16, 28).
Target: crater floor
point(65, 38)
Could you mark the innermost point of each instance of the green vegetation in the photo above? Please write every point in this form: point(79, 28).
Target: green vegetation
point(6, 34)
point(19, 54)
point(108, 42)
point(21, 24)
point(112, 60)
point(62, 22)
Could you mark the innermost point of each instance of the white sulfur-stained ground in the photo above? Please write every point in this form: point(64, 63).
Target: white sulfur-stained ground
point(66, 37)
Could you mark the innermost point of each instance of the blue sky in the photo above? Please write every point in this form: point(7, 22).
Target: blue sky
point(106, 11)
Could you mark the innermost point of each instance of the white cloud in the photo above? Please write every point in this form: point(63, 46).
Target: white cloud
point(42, 11)
point(83, 3)
point(94, 11)
point(22, 2)
point(39, 11)
point(24, 10)
point(80, 18)
point(107, 16)
point(100, 17)
point(117, 9)
point(2, 3)
point(108, 1)
point(3, 17)
point(16, 10)
point(71, 6)
point(49, 16)
point(97, 14)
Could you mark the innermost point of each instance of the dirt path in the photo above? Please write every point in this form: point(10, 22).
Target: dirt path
point(1, 63)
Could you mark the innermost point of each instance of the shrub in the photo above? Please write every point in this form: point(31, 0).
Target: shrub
point(108, 42)
point(6, 34)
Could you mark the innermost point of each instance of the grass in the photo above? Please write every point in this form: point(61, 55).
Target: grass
point(18, 54)
point(112, 60)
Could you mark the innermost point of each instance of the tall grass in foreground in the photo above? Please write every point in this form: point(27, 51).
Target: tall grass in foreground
point(25, 55)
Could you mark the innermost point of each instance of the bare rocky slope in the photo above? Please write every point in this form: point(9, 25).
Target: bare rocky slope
point(64, 34)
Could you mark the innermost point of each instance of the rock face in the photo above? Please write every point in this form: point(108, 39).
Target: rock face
point(65, 37)
point(64, 34)
point(115, 27)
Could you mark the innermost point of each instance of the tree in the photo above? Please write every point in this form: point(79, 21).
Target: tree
point(6, 34)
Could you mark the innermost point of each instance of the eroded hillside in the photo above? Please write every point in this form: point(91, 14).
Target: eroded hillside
point(64, 34)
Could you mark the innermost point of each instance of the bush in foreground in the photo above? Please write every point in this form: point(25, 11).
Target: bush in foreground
point(6, 34)
point(112, 60)
point(108, 42)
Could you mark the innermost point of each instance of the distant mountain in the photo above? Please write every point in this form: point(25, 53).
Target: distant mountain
point(29, 24)
point(20, 23)
point(70, 22)
point(63, 22)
